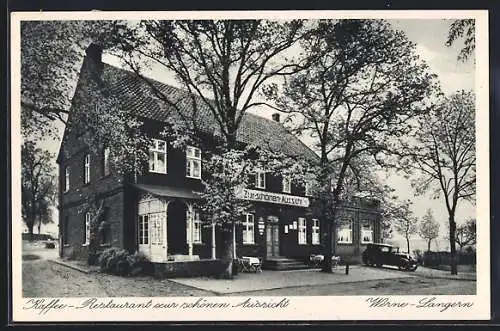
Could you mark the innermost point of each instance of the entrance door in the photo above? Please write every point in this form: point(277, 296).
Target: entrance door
point(152, 235)
point(272, 237)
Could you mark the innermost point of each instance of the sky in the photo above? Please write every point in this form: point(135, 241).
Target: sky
point(429, 35)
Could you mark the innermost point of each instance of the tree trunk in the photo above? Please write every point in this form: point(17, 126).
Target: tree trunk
point(408, 244)
point(327, 245)
point(39, 226)
point(227, 255)
point(453, 250)
point(429, 245)
point(30, 230)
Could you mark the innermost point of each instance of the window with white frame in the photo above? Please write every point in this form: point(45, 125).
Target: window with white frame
point(66, 179)
point(86, 229)
point(143, 229)
point(86, 170)
point(287, 184)
point(105, 161)
point(344, 232)
point(308, 189)
point(158, 156)
point(156, 223)
point(193, 218)
point(315, 232)
point(302, 233)
point(193, 162)
point(366, 231)
point(152, 220)
point(260, 179)
point(248, 229)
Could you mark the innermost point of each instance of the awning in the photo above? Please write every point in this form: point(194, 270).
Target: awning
point(168, 191)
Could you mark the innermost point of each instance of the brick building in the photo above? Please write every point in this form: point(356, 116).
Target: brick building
point(155, 214)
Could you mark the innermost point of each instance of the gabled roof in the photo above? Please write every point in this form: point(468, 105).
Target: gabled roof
point(136, 94)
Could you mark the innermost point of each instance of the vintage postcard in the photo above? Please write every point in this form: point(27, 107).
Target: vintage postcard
point(250, 166)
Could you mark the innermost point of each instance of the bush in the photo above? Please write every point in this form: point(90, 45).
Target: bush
point(120, 262)
point(50, 244)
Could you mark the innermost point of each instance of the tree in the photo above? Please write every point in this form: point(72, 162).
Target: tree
point(405, 222)
point(51, 54)
point(428, 228)
point(222, 64)
point(443, 156)
point(358, 97)
point(463, 29)
point(45, 213)
point(465, 234)
point(37, 185)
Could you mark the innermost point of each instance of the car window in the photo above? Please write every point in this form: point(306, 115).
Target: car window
point(385, 249)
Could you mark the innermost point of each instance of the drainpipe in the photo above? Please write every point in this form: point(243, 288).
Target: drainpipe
point(213, 241)
point(234, 240)
point(190, 221)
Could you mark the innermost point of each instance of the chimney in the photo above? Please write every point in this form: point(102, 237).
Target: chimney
point(276, 117)
point(94, 57)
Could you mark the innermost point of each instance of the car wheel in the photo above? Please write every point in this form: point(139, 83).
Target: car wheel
point(403, 266)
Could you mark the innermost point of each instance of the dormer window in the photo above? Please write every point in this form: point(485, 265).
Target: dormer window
point(66, 179)
point(260, 179)
point(158, 156)
point(86, 169)
point(287, 184)
point(105, 161)
point(193, 162)
point(308, 189)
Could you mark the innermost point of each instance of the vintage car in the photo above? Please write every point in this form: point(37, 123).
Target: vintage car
point(383, 254)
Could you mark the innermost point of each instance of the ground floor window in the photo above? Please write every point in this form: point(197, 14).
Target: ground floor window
point(143, 229)
point(248, 229)
point(344, 232)
point(86, 230)
point(302, 235)
point(366, 231)
point(193, 217)
point(152, 221)
point(156, 224)
point(315, 232)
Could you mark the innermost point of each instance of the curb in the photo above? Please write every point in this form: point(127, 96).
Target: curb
point(68, 265)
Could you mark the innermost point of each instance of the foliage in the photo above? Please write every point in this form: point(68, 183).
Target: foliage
point(465, 235)
point(226, 174)
point(428, 228)
point(356, 100)
point(51, 53)
point(38, 187)
point(222, 64)
point(121, 262)
point(405, 222)
point(463, 29)
point(442, 158)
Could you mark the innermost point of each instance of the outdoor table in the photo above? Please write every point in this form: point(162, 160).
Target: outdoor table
point(251, 264)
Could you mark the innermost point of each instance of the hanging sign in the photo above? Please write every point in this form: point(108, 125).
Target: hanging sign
point(270, 197)
point(261, 225)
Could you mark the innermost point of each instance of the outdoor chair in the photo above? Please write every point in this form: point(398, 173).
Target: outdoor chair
point(316, 260)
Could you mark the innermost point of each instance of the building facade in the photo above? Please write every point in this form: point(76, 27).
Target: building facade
point(156, 213)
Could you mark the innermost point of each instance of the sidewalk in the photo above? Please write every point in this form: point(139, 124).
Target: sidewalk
point(248, 282)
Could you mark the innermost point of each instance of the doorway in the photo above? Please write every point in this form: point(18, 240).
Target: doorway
point(272, 237)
